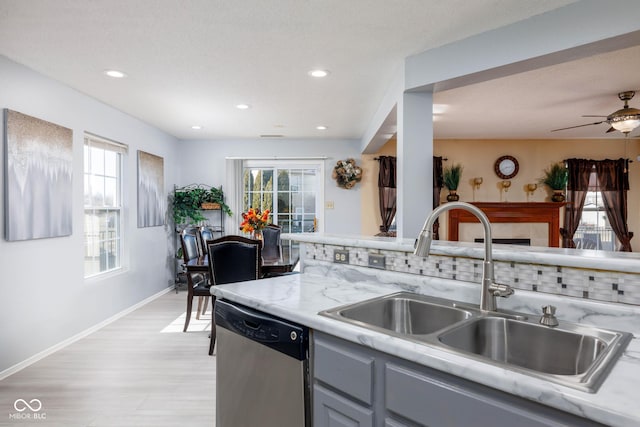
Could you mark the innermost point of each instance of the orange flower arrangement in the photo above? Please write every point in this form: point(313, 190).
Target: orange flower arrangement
point(254, 220)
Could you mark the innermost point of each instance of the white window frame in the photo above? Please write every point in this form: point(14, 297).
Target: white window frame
point(317, 164)
point(95, 141)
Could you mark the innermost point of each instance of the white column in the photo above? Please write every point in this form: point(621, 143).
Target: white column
point(415, 162)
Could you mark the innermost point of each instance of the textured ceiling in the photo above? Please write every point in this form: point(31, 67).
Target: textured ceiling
point(191, 61)
point(529, 105)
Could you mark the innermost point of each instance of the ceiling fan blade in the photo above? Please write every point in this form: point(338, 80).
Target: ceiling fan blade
point(579, 126)
point(611, 129)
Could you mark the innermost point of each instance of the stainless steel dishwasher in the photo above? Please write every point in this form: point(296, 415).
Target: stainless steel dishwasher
point(262, 369)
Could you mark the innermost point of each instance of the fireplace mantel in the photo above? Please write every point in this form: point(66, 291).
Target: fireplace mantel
point(512, 212)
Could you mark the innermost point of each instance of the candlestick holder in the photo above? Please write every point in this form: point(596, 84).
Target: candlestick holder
point(531, 188)
point(476, 185)
point(505, 187)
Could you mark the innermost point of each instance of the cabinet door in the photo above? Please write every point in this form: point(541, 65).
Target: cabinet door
point(345, 368)
point(333, 410)
point(435, 403)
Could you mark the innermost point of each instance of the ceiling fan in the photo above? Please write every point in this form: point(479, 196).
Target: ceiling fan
point(624, 120)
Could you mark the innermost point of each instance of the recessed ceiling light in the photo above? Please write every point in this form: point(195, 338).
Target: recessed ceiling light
point(321, 127)
point(318, 73)
point(115, 74)
point(196, 127)
point(243, 106)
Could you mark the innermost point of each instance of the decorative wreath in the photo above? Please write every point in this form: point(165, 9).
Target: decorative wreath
point(346, 173)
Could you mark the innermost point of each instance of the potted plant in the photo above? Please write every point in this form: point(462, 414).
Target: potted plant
point(213, 198)
point(187, 202)
point(556, 177)
point(451, 179)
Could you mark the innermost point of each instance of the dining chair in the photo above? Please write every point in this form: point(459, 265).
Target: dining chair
point(232, 259)
point(272, 244)
point(205, 233)
point(197, 283)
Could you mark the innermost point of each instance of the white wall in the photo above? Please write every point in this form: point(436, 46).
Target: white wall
point(44, 298)
point(203, 162)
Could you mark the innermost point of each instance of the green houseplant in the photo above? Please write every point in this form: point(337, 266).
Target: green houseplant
point(451, 179)
point(187, 202)
point(556, 177)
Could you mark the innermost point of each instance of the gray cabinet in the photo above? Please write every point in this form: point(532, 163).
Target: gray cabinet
point(332, 409)
point(343, 385)
point(358, 386)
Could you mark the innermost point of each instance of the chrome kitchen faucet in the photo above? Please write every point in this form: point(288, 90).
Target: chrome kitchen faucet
point(490, 289)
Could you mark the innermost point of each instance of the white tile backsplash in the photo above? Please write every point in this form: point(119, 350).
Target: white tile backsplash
point(602, 285)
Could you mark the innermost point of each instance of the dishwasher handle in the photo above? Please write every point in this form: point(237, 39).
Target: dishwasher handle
point(276, 333)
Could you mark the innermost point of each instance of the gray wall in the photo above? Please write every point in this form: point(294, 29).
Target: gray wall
point(203, 162)
point(44, 298)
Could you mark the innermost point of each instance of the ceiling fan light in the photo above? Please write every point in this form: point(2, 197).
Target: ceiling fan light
point(626, 124)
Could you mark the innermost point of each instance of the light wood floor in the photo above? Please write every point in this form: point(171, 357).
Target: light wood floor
point(127, 374)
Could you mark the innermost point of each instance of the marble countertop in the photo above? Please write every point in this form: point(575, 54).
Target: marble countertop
point(613, 261)
point(300, 297)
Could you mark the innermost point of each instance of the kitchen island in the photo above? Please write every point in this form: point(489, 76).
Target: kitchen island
point(322, 286)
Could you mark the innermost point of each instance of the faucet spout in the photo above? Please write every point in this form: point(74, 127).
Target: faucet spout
point(489, 289)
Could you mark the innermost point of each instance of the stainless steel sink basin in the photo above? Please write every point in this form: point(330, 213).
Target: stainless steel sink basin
point(573, 355)
point(404, 314)
point(547, 350)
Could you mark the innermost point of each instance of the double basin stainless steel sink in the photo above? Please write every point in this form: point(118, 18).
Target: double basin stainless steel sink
point(569, 354)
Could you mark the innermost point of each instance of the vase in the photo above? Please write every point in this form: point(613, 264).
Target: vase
point(452, 196)
point(257, 235)
point(558, 196)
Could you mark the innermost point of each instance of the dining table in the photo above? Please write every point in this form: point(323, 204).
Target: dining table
point(285, 263)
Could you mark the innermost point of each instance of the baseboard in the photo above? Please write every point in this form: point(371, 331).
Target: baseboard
point(44, 353)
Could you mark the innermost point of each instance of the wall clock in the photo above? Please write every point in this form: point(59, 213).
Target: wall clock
point(506, 167)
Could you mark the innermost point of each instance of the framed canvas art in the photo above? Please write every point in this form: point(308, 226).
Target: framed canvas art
point(152, 204)
point(38, 178)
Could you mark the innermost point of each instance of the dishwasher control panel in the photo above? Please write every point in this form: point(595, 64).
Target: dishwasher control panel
point(279, 334)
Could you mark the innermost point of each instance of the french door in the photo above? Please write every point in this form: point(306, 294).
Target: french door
point(292, 190)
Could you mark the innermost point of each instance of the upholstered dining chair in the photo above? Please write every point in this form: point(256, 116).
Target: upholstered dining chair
point(205, 233)
point(272, 245)
point(197, 283)
point(232, 259)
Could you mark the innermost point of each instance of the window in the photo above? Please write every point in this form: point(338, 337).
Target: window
point(594, 230)
point(289, 189)
point(103, 165)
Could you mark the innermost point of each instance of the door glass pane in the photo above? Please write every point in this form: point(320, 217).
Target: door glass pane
point(267, 180)
point(283, 180)
point(284, 202)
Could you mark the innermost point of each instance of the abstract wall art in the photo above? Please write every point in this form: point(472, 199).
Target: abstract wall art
point(152, 203)
point(38, 178)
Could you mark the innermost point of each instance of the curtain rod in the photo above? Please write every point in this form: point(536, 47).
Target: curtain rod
point(276, 158)
point(378, 158)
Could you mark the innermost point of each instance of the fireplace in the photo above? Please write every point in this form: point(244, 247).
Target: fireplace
point(512, 212)
point(518, 241)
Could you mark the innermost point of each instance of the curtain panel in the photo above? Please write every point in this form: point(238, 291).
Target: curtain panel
point(387, 191)
point(437, 187)
point(613, 181)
